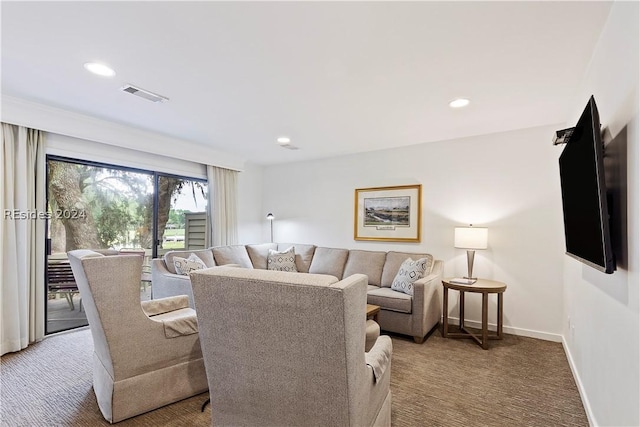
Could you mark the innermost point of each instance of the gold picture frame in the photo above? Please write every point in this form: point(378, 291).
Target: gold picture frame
point(391, 214)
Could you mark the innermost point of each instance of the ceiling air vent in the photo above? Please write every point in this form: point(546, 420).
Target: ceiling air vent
point(149, 96)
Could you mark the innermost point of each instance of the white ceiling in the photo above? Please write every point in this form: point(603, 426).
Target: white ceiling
point(337, 77)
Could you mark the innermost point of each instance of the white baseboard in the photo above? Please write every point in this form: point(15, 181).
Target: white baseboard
point(576, 376)
point(511, 330)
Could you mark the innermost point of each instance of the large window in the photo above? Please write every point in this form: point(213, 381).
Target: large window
point(114, 209)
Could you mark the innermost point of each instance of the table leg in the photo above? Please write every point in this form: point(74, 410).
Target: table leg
point(500, 295)
point(485, 321)
point(461, 310)
point(445, 312)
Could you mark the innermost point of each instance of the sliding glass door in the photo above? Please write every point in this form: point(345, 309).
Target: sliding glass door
point(182, 217)
point(113, 209)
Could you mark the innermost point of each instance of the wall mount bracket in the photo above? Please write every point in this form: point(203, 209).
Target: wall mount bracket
point(562, 136)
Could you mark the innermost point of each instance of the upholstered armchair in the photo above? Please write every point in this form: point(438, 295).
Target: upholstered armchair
point(288, 349)
point(146, 354)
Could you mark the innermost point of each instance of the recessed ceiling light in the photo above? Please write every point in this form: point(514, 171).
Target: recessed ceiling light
point(99, 69)
point(458, 103)
point(284, 140)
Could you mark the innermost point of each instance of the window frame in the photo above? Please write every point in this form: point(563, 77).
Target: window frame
point(156, 178)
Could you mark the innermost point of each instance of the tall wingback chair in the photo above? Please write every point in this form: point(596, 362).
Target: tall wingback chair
point(288, 349)
point(146, 354)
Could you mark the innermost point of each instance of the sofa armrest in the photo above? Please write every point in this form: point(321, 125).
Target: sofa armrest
point(158, 266)
point(427, 304)
point(166, 284)
point(164, 305)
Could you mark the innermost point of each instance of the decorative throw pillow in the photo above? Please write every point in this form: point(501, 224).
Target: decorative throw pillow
point(409, 272)
point(282, 261)
point(184, 266)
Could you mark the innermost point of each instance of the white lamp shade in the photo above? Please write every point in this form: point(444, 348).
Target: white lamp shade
point(471, 237)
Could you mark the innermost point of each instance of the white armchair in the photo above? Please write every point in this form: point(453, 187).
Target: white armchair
point(146, 355)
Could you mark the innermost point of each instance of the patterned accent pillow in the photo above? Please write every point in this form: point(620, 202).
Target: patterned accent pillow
point(184, 266)
point(409, 272)
point(282, 261)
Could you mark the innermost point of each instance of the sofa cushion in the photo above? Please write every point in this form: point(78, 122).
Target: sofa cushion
point(233, 254)
point(304, 255)
point(329, 261)
point(388, 299)
point(369, 263)
point(372, 288)
point(394, 261)
point(409, 272)
point(282, 260)
point(184, 266)
point(204, 254)
point(259, 253)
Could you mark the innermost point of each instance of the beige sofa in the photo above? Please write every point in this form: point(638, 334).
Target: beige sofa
point(415, 315)
point(287, 349)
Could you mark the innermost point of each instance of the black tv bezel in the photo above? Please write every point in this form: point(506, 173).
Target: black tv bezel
point(609, 264)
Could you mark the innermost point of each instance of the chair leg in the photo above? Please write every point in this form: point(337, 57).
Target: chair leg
point(69, 297)
point(418, 340)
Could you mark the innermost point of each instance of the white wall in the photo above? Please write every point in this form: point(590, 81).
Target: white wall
point(603, 339)
point(508, 182)
point(251, 217)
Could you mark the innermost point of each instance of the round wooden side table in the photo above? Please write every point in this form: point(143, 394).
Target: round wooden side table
point(481, 286)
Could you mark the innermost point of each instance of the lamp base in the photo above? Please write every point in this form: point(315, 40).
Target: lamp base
point(470, 256)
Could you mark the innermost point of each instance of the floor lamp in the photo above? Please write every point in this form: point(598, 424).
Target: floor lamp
point(270, 217)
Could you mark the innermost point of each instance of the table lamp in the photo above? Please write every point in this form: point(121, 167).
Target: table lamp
point(471, 238)
point(270, 217)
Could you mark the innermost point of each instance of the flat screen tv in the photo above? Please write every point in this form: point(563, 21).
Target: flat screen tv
point(584, 194)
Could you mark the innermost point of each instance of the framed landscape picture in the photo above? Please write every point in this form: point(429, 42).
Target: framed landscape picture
point(388, 213)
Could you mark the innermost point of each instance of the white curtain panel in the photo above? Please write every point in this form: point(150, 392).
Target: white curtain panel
point(22, 235)
point(222, 206)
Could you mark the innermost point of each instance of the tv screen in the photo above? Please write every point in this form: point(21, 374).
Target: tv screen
point(584, 194)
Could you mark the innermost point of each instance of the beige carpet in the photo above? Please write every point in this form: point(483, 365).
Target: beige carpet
point(518, 382)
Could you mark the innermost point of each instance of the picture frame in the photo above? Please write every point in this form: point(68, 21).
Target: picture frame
point(392, 214)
